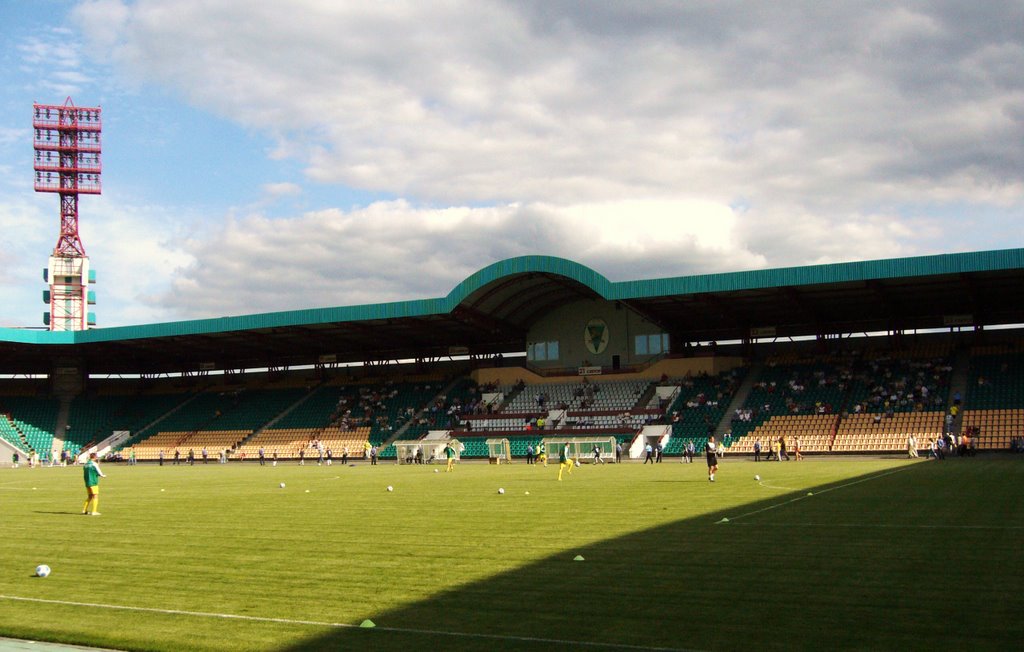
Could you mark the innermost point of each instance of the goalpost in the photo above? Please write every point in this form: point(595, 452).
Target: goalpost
point(581, 449)
point(426, 451)
point(499, 450)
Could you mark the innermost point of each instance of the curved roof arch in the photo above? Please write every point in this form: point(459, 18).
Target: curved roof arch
point(511, 294)
point(519, 265)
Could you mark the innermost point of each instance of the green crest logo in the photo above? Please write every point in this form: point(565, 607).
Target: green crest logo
point(595, 336)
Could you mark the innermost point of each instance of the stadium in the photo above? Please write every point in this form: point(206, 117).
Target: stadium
point(264, 537)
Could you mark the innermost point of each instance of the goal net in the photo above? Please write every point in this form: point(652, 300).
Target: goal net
point(426, 451)
point(581, 448)
point(499, 450)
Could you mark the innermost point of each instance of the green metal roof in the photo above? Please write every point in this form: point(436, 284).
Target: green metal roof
point(943, 264)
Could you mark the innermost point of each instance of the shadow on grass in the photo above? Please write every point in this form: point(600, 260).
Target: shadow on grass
point(701, 584)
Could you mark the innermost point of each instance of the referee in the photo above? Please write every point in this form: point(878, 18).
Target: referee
point(711, 452)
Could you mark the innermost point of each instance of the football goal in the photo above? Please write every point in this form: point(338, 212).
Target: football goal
point(426, 451)
point(499, 450)
point(581, 448)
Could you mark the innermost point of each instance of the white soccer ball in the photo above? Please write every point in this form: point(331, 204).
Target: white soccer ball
point(500, 490)
point(42, 570)
point(281, 485)
point(436, 471)
point(274, 463)
point(577, 462)
point(390, 488)
point(757, 477)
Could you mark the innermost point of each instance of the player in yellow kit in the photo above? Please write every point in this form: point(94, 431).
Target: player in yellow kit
point(449, 452)
point(564, 460)
point(92, 475)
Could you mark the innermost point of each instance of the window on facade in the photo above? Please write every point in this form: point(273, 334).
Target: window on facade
point(641, 345)
point(653, 344)
point(541, 351)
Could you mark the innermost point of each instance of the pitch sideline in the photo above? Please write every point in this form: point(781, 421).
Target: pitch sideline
point(314, 623)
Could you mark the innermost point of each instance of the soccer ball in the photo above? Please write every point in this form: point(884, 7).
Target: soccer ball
point(500, 490)
point(390, 488)
point(42, 570)
point(281, 485)
point(274, 463)
point(436, 471)
point(577, 462)
point(757, 477)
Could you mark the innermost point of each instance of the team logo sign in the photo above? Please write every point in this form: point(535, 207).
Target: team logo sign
point(595, 335)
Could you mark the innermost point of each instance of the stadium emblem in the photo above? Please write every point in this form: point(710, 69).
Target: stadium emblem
point(595, 335)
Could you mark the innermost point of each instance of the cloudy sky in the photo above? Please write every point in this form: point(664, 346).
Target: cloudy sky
point(265, 156)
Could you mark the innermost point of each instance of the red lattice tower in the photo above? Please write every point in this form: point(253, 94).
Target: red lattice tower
point(67, 162)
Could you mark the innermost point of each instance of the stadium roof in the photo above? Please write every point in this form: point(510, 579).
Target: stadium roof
point(493, 310)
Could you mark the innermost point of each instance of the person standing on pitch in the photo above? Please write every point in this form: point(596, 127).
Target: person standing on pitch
point(564, 460)
point(711, 452)
point(911, 445)
point(449, 452)
point(92, 486)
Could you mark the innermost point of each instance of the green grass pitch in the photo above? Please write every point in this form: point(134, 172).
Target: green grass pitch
point(883, 554)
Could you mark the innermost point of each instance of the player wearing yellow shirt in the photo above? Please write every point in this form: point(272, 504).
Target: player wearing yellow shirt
point(564, 461)
point(92, 475)
point(449, 452)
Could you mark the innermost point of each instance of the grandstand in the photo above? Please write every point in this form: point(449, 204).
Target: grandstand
point(681, 353)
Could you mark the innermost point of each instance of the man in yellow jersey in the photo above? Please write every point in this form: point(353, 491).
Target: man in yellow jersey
point(92, 486)
point(449, 452)
point(542, 453)
point(564, 460)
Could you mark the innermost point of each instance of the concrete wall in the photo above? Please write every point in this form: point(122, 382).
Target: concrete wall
point(7, 451)
point(568, 325)
point(671, 367)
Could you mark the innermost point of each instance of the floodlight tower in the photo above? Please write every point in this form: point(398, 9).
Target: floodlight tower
point(67, 162)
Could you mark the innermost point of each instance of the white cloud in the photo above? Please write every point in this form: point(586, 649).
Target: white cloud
point(641, 139)
point(282, 189)
point(484, 101)
point(392, 251)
